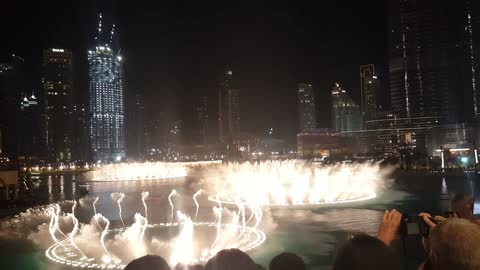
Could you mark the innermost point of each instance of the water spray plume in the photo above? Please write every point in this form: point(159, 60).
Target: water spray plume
point(196, 202)
point(116, 247)
point(183, 248)
point(218, 213)
point(174, 192)
point(281, 183)
point(52, 227)
point(57, 217)
point(144, 197)
point(94, 204)
point(75, 230)
point(99, 217)
point(119, 198)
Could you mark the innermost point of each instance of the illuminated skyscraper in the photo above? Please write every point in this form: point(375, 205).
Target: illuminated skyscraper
point(346, 114)
point(58, 87)
point(306, 107)
point(107, 131)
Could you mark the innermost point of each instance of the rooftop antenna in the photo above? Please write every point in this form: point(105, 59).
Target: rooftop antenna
point(99, 26)
point(112, 33)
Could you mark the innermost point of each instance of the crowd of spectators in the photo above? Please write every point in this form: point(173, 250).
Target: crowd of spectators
point(453, 243)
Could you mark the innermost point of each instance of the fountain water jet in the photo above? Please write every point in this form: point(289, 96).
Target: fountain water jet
point(196, 202)
point(144, 197)
point(120, 245)
point(118, 197)
point(174, 192)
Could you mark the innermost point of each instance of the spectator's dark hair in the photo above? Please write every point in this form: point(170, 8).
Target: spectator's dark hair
point(287, 261)
point(150, 262)
point(231, 259)
point(364, 252)
point(462, 205)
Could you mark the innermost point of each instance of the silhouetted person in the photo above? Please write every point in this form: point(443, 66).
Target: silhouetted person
point(231, 259)
point(461, 206)
point(364, 252)
point(148, 262)
point(287, 261)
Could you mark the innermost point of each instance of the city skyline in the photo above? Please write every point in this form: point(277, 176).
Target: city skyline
point(272, 68)
point(254, 83)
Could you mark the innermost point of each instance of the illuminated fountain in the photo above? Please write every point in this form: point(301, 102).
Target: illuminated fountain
point(98, 245)
point(138, 171)
point(293, 183)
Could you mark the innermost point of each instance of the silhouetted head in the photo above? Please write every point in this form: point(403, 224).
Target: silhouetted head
point(455, 244)
point(364, 252)
point(462, 206)
point(150, 262)
point(287, 261)
point(231, 259)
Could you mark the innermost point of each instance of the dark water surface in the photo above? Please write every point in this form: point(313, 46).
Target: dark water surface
point(313, 233)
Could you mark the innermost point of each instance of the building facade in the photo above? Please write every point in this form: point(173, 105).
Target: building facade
point(107, 123)
point(369, 87)
point(201, 121)
point(58, 92)
point(228, 111)
point(324, 143)
point(419, 59)
point(306, 107)
point(346, 115)
point(29, 136)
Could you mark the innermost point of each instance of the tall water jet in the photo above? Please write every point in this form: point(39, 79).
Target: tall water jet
point(174, 192)
point(94, 205)
point(52, 226)
point(74, 231)
point(183, 249)
point(144, 197)
point(196, 202)
point(118, 197)
point(218, 213)
point(98, 217)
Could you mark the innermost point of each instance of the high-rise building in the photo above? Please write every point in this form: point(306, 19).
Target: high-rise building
point(346, 115)
point(468, 40)
point(12, 85)
point(201, 118)
point(419, 59)
point(30, 129)
point(233, 112)
point(369, 84)
point(306, 107)
point(228, 110)
point(107, 130)
point(58, 91)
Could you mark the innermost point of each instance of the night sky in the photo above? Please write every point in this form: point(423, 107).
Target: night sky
point(175, 52)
